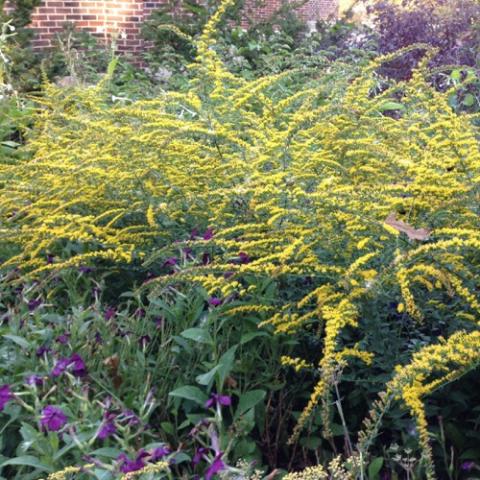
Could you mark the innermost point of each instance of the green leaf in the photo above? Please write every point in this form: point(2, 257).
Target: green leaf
point(18, 340)
point(28, 461)
point(251, 335)
point(199, 335)
point(107, 452)
point(168, 427)
point(248, 400)
point(10, 144)
point(456, 75)
point(206, 378)
point(469, 100)
point(189, 392)
point(391, 106)
point(374, 468)
point(226, 364)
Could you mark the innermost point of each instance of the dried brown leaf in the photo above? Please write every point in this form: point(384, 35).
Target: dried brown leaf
point(411, 232)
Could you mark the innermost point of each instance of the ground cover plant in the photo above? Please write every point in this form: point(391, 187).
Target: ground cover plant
point(244, 278)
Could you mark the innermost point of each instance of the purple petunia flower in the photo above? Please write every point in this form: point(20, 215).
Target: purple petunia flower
point(170, 262)
point(216, 466)
point(467, 466)
point(60, 367)
point(63, 338)
point(107, 429)
point(85, 269)
point(75, 364)
point(217, 399)
point(130, 418)
point(206, 258)
point(42, 351)
point(159, 453)
point(79, 369)
point(243, 257)
point(144, 340)
point(199, 454)
point(110, 312)
point(127, 465)
point(5, 396)
point(214, 301)
point(208, 235)
point(34, 304)
point(53, 418)
point(34, 380)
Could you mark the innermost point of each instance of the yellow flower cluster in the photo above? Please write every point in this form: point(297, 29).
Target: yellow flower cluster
point(430, 368)
point(299, 183)
point(66, 472)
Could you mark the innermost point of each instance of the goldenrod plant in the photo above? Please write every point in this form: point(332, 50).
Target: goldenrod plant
point(358, 194)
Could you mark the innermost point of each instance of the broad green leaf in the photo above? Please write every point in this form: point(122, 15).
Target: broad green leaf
point(168, 427)
point(206, 378)
point(18, 340)
point(107, 452)
point(251, 335)
point(199, 335)
point(469, 100)
point(391, 106)
point(456, 75)
point(28, 461)
point(248, 400)
point(226, 363)
point(374, 468)
point(189, 392)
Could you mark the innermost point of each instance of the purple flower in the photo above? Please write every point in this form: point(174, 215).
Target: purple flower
point(243, 257)
point(50, 258)
point(79, 369)
point(110, 312)
point(60, 367)
point(208, 235)
point(42, 351)
point(5, 396)
point(34, 304)
point(216, 466)
point(63, 338)
point(217, 399)
point(34, 380)
point(139, 313)
point(159, 453)
point(130, 418)
point(197, 458)
point(228, 275)
point(206, 259)
point(467, 466)
point(98, 338)
point(53, 418)
point(128, 465)
point(107, 429)
point(85, 269)
point(170, 262)
point(144, 340)
point(214, 301)
point(159, 322)
point(75, 363)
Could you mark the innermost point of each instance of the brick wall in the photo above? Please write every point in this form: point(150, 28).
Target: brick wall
point(309, 11)
point(124, 18)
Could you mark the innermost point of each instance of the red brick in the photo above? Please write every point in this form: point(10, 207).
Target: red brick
point(127, 16)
